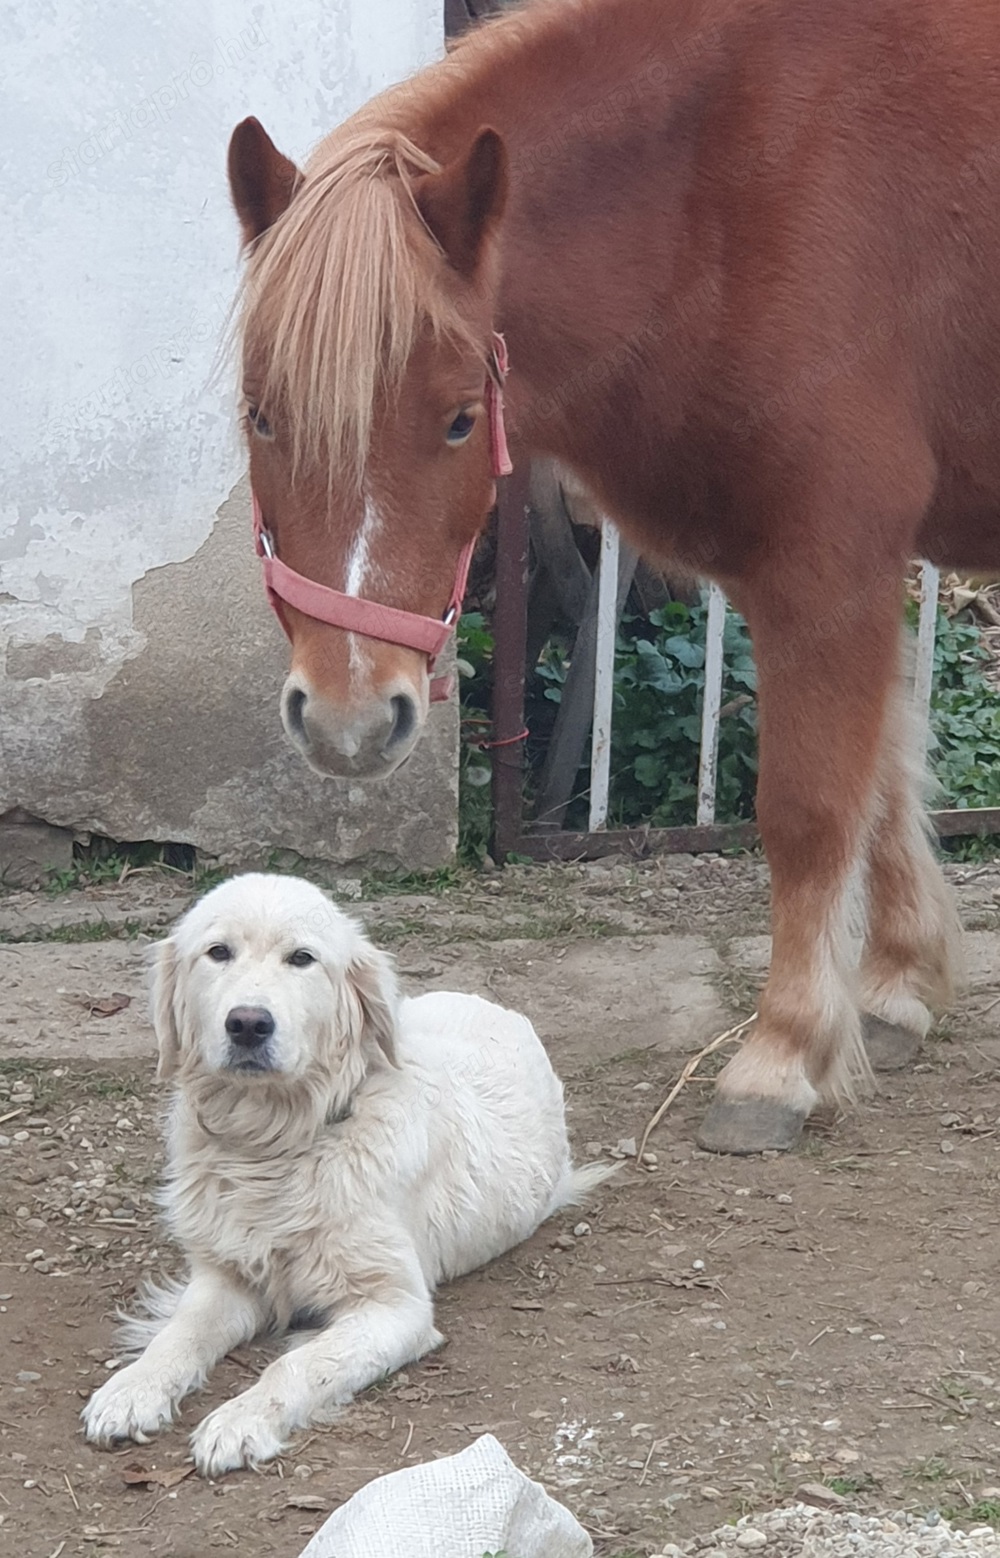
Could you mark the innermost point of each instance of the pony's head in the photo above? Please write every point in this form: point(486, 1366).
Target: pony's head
point(366, 330)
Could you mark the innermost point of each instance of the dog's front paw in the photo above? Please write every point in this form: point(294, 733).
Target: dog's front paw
point(132, 1404)
point(236, 1434)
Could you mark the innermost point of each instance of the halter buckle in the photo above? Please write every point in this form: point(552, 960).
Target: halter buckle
point(497, 364)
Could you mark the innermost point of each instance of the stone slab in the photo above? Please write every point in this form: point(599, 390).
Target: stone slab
point(49, 994)
point(607, 996)
point(31, 850)
point(178, 739)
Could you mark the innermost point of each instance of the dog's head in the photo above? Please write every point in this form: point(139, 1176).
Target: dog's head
point(265, 978)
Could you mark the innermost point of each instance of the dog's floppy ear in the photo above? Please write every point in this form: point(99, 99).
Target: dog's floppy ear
point(168, 1036)
point(373, 981)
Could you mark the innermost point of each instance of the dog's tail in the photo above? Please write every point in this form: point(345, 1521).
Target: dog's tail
point(578, 1184)
point(156, 1305)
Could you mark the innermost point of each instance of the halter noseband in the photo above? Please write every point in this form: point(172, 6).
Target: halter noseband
point(406, 628)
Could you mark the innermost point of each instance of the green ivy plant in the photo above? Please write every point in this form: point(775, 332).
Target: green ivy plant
point(475, 669)
point(656, 723)
point(965, 717)
point(656, 726)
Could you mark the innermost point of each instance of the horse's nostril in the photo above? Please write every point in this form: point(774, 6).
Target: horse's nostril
point(249, 1026)
point(295, 702)
point(404, 720)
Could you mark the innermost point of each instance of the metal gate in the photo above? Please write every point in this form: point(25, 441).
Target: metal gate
point(541, 841)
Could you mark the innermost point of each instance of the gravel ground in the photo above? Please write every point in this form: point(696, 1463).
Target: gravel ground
point(807, 1532)
point(714, 1339)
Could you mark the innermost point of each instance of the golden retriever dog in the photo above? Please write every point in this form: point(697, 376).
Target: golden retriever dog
point(334, 1153)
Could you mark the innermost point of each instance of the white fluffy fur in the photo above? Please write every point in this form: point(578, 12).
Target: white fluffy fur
point(913, 956)
point(895, 913)
point(394, 1144)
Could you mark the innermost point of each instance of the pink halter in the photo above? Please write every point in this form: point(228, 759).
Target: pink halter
point(407, 628)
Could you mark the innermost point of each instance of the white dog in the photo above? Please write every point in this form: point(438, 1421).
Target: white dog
point(334, 1154)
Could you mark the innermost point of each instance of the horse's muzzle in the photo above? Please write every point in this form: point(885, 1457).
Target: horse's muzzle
point(365, 743)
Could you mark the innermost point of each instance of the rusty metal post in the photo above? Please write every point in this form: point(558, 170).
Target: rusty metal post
point(510, 628)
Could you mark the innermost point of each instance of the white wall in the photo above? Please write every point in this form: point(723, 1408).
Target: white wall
point(119, 445)
point(117, 450)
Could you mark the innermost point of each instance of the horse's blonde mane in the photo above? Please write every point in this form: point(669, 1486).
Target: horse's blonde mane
point(336, 292)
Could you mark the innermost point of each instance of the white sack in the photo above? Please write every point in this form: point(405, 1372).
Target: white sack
point(462, 1507)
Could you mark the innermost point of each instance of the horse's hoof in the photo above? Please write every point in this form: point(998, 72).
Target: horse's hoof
point(746, 1125)
point(889, 1047)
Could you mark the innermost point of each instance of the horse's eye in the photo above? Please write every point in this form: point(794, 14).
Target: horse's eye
point(220, 953)
point(300, 958)
point(258, 421)
point(460, 429)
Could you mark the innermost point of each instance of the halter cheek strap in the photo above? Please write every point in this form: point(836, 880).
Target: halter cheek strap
point(373, 620)
point(409, 629)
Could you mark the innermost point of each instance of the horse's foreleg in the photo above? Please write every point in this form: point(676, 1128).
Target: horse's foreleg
point(827, 650)
point(911, 950)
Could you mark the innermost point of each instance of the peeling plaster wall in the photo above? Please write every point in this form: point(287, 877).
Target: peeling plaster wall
point(121, 451)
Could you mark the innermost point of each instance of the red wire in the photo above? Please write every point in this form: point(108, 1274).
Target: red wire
point(508, 741)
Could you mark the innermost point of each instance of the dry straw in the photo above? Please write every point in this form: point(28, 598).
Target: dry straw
point(688, 1074)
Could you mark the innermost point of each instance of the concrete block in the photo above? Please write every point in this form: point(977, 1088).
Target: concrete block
point(31, 850)
point(178, 737)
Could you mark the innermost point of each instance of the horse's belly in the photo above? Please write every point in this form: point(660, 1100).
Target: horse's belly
point(966, 540)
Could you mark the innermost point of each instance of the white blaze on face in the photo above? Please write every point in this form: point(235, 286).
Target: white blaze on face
point(357, 561)
point(357, 574)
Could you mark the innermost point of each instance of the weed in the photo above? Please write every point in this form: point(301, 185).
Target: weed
point(974, 851)
point(86, 873)
point(932, 1469)
point(739, 989)
point(99, 1084)
point(40, 1078)
point(542, 927)
point(80, 930)
point(850, 1487)
point(656, 731)
point(965, 722)
point(637, 1055)
point(49, 1081)
point(384, 1384)
point(392, 884)
point(104, 861)
point(394, 931)
point(204, 878)
point(985, 1512)
point(475, 765)
point(956, 1390)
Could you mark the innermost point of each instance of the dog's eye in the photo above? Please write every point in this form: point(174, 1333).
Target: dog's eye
point(219, 953)
point(300, 958)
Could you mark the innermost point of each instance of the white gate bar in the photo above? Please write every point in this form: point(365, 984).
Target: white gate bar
point(604, 677)
point(711, 704)
point(930, 579)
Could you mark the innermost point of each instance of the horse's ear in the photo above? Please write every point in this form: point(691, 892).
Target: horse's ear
point(262, 181)
point(462, 204)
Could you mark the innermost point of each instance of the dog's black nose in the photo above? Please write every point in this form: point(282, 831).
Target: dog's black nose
point(249, 1026)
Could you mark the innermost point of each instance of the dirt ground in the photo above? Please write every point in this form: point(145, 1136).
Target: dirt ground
point(707, 1337)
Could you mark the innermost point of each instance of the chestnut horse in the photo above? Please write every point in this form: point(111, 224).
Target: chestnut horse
point(744, 254)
